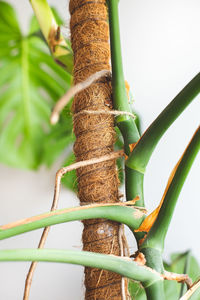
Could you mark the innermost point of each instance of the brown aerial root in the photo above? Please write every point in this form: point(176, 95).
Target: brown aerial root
point(59, 174)
point(73, 91)
point(104, 112)
point(191, 291)
point(139, 258)
point(64, 100)
point(55, 38)
point(124, 252)
point(181, 278)
point(32, 268)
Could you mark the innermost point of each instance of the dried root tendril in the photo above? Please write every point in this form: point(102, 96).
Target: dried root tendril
point(73, 91)
point(54, 206)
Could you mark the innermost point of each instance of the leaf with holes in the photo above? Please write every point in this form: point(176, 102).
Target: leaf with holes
point(30, 84)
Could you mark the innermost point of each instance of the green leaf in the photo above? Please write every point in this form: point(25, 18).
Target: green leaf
point(178, 261)
point(8, 21)
point(69, 180)
point(30, 84)
point(57, 16)
point(34, 27)
point(49, 22)
point(136, 291)
point(57, 140)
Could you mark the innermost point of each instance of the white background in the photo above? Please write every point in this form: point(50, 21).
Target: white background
point(161, 49)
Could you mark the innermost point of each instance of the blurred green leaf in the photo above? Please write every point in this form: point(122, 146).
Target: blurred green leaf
point(178, 261)
point(136, 291)
point(172, 288)
point(69, 180)
point(8, 23)
point(30, 84)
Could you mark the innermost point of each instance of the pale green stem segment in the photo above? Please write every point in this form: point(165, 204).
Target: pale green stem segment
point(118, 82)
point(156, 236)
point(143, 150)
point(126, 125)
point(155, 291)
point(51, 32)
point(122, 214)
point(123, 266)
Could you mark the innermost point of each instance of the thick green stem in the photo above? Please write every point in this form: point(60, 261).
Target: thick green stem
point(155, 291)
point(123, 266)
point(127, 126)
point(118, 82)
point(154, 261)
point(142, 152)
point(156, 236)
point(121, 214)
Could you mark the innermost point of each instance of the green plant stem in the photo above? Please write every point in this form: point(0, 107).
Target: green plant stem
point(156, 236)
point(123, 266)
point(155, 291)
point(142, 152)
point(44, 16)
point(154, 261)
point(126, 125)
point(118, 82)
point(121, 214)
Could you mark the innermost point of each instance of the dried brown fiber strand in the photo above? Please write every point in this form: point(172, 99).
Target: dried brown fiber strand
point(95, 137)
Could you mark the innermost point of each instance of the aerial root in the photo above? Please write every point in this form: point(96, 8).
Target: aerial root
point(59, 174)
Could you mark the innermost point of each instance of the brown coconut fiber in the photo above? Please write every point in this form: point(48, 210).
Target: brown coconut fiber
point(95, 136)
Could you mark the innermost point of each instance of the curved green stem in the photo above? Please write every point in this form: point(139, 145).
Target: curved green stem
point(121, 214)
point(142, 152)
point(123, 266)
point(156, 236)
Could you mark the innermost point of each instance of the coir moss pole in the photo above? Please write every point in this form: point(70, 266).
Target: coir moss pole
point(95, 137)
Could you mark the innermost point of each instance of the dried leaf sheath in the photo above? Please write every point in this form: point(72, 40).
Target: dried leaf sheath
point(95, 137)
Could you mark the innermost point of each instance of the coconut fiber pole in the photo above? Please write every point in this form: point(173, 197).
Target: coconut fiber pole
point(95, 137)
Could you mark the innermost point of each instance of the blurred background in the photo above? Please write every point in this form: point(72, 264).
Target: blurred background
point(160, 45)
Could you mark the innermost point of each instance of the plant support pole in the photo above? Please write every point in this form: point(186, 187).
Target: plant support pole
point(95, 137)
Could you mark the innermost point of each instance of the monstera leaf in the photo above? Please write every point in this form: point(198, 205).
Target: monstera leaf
point(30, 84)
